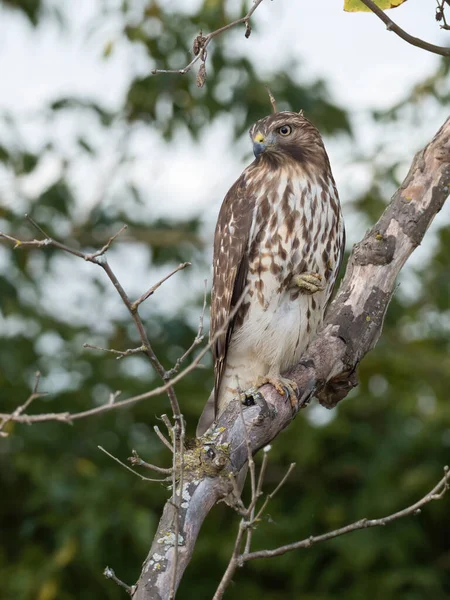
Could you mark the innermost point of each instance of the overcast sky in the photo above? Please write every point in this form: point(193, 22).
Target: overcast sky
point(365, 65)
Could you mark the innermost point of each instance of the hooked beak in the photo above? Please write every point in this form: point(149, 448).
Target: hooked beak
point(260, 143)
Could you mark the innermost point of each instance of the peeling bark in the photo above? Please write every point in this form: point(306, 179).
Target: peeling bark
point(327, 369)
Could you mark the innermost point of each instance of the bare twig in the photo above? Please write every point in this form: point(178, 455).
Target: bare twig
point(272, 494)
point(67, 417)
point(153, 289)
point(247, 524)
point(435, 494)
point(109, 574)
point(19, 410)
point(255, 496)
point(121, 354)
point(238, 560)
point(414, 41)
point(201, 42)
point(91, 257)
point(163, 439)
point(99, 258)
point(178, 466)
point(137, 461)
point(441, 7)
point(197, 340)
point(232, 565)
point(122, 464)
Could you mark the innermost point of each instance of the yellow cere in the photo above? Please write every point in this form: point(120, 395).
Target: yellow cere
point(259, 138)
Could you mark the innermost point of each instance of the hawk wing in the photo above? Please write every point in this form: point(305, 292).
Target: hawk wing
point(230, 266)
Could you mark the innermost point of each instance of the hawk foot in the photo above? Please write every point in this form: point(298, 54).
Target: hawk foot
point(309, 283)
point(285, 387)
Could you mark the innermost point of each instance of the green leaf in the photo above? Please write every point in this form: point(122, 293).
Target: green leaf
point(358, 6)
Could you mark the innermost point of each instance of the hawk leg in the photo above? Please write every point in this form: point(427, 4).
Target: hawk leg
point(309, 283)
point(285, 387)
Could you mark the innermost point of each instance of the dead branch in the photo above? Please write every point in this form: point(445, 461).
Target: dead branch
point(109, 574)
point(197, 340)
point(435, 494)
point(201, 42)
point(137, 461)
point(99, 258)
point(327, 369)
point(414, 41)
point(122, 464)
point(67, 417)
point(247, 525)
point(4, 419)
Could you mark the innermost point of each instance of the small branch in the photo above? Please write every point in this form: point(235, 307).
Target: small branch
point(121, 354)
point(122, 464)
point(20, 409)
point(109, 574)
point(436, 494)
point(153, 289)
point(275, 491)
point(101, 252)
point(232, 565)
point(137, 461)
point(178, 466)
point(99, 258)
point(163, 439)
point(197, 340)
point(67, 417)
point(255, 497)
point(247, 524)
point(440, 14)
point(202, 42)
point(391, 26)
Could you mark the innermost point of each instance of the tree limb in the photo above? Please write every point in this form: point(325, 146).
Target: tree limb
point(414, 41)
point(327, 370)
point(435, 494)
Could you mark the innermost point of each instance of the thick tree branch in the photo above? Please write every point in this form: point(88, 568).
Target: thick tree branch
point(327, 369)
point(414, 41)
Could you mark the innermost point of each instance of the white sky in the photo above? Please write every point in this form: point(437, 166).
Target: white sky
point(365, 65)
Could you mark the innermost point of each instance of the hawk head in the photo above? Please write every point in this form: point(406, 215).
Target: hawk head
point(285, 135)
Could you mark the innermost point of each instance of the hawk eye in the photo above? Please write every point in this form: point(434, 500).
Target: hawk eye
point(285, 130)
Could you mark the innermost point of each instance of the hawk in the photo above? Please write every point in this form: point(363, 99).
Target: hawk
point(278, 246)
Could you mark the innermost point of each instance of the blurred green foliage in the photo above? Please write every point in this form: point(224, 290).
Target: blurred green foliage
point(67, 510)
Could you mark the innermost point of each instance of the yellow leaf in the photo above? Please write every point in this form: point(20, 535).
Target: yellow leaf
point(358, 6)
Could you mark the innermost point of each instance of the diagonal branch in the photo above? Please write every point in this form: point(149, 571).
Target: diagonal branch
point(327, 369)
point(67, 417)
point(414, 41)
point(435, 494)
point(99, 258)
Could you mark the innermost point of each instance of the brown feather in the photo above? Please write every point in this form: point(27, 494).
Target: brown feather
point(230, 264)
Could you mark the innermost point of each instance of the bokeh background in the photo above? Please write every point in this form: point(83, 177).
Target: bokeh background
point(90, 140)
